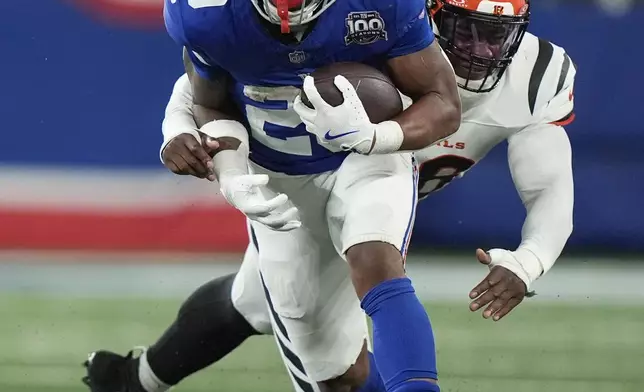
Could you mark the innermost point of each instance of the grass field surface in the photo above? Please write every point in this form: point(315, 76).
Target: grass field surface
point(583, 333)
point(555, 348)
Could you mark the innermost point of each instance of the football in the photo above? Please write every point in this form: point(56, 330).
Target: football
point(377, 92)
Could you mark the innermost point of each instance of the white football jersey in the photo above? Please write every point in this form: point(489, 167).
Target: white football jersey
point(536, 89)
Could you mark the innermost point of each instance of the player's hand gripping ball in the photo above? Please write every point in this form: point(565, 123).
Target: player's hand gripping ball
point(342, 104)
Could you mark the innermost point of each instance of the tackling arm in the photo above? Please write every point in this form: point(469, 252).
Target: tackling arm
point(428, 79)
point(211, 109)
point(178, 113)
point(182, 115)
point(208, 82)
point(202, 103)
point(540, 162)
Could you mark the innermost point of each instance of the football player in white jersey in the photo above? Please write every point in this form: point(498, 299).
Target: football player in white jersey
point(518, 88)
point(514, 87)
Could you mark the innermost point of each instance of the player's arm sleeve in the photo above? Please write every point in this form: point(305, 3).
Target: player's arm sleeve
point(540, 162)
point(559, 108)
point(179, 32)
point(413, 30)
point(178, 113)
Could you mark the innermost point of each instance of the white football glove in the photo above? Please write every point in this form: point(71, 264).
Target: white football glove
point(523, 263)
point(346, 127)
point(245, 192)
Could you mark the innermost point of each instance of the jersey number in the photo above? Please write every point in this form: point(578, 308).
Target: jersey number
point(205, 3)
point(274, 124)
point(282, 131)
point(440, 171)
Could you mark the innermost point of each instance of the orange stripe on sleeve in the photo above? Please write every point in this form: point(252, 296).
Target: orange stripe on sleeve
point(565, 120)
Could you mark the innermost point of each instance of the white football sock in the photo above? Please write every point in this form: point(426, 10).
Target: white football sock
point(148, 379)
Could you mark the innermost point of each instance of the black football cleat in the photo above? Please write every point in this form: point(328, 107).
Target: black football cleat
point(111, 372)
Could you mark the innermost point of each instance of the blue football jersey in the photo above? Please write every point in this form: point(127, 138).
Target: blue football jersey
point(229, 36)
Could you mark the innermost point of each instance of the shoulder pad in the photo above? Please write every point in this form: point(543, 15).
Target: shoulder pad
point(550, 74)
point(198, 17)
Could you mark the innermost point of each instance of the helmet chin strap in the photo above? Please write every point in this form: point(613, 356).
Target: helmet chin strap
point(282, 12)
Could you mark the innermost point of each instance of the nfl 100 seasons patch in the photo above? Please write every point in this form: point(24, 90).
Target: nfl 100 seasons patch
point(364, 28)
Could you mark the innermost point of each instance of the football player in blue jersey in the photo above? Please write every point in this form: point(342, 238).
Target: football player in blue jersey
point(335, 219)
point(221, 314)
point(322, 200)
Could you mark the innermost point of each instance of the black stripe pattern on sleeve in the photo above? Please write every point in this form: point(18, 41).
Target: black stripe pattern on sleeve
point(564, 72)
point(543, 59)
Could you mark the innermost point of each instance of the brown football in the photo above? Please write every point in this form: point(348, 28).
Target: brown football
point(377, 92)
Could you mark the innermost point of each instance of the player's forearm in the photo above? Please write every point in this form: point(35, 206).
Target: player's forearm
point(178, 113)
point(431, 118)
point(182, 116)
point(548, 224)
point(428, 79)
point(211, 112)
point(210, 102)
point(232, 155)
point(540, 162)
point(221, 125)
point(203, 115)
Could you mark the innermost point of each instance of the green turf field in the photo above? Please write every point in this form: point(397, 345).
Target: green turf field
point(554, 348)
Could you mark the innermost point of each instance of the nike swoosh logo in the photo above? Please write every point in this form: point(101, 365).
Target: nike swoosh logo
point(328, 135)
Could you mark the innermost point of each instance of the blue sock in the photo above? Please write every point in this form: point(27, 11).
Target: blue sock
point(417, 386)
point(402, 337)
point(374, 383)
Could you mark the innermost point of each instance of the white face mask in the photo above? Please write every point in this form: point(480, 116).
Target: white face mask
point(297, 17)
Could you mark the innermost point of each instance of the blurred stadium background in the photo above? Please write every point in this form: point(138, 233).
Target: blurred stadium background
point(99, 244)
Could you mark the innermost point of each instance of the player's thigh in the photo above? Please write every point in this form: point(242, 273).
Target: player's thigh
point(314, 308)
point(248, 293)
point(290, 262)
point(315, 312)
point(309, 193)
point(374, 199)
point(324, 342)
